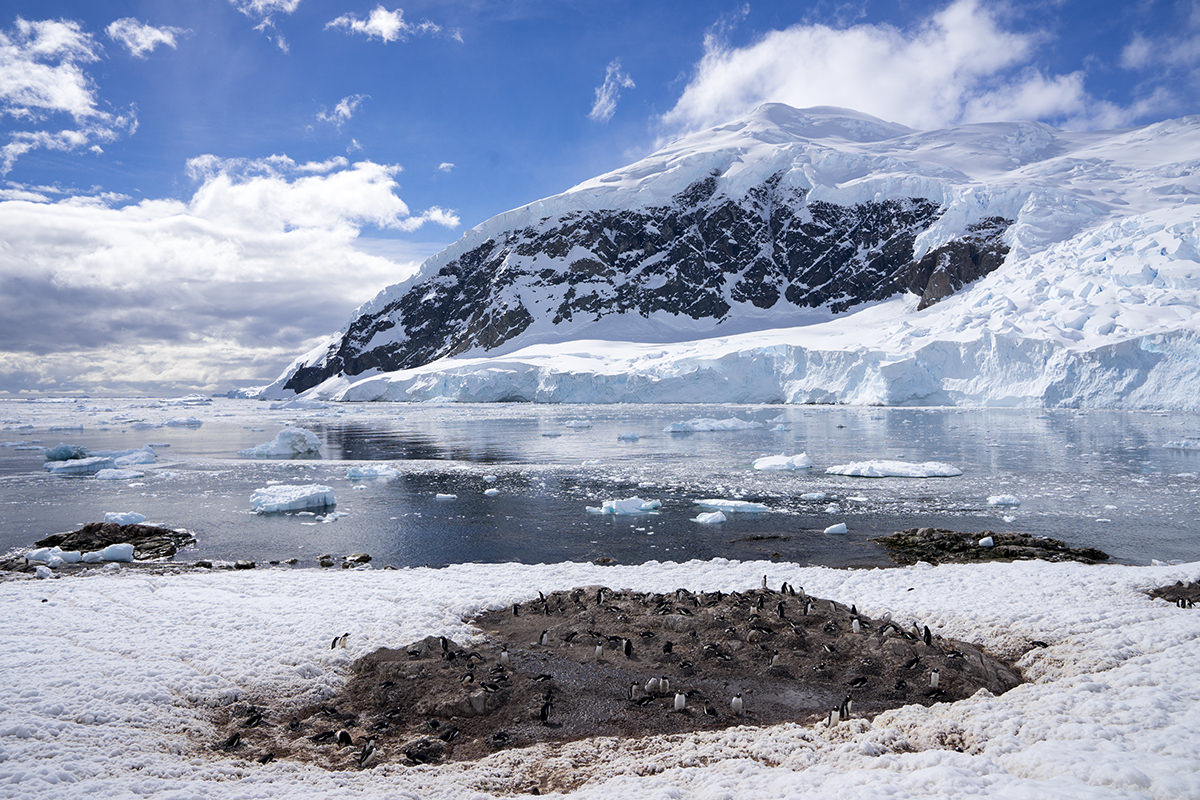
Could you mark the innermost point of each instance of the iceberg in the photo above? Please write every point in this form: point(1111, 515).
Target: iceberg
point(288, 443)
point(125, 517)
point(630, 506)
point(709, 518)
point(65, 452)
point(882, 468)
point(283, 498)
point(79, 466)
point(783, 463)
point(838, 528)
point(1003, 500)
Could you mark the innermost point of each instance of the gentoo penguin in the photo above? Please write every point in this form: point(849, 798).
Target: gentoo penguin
point(543, 638)
point(844, 709)
point(934, 678)
point(808, 607)
point(737, 705)
point(504, 656)
point(927, 636)
point(599, 652)
point(368, 752)
point(764, 583)
point(633, 691)
point(652, 686)
point(774, 660)
point(680, 701)
point(344, 739)
point(855, 626)
point(544, 713)
point(516, 609)
point(627, 646)
point(668, 647)
point(664, 684)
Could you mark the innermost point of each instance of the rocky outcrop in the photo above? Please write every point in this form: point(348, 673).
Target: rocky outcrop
point(701, 256)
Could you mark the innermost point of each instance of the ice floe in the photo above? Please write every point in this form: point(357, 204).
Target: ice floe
point(731, 506)
point(838, 528)
point(119, 475)
point(710, 425)
point(372, 471)
point(282, 498)
point(883, 468)
point(709, 518)
point(1003, 500)
point(79, 466)
point(288, 443)
point(783, 463)
point(629, 506)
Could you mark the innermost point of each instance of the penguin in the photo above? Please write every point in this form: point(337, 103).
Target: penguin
point(543, 638)
point(774, 659)
point(934, 678)
point(232, 743)
point(627, 646)
point(808, 607)
point(252, 720)
point(680, 701)
point(664, 685)
point(833, 719)
point(445, 644)
point(668, 647)
point(652, 686)
point(779, 609)
point(504, 656)
point(344, 739)
point(599, 652)
point(709, 710)
point(633, 688)
point(367, 753)
point(855, 626)
point(844, 709)
point(737, 705)
point(927, 637)
point(764, 583)
point(266, 758)
point(544, 713)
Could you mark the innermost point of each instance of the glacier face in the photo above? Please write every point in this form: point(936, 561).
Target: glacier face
point(800, 256)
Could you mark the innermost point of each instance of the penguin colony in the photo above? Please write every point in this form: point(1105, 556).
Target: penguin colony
point(601, 662)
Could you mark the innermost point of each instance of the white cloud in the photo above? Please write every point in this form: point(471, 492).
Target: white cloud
point(445, 166)
point(229, 284)
point(609, 92)
point(263, 13)
point(960, 65)
point(140, 38)
point(343, 111)
point(387, 26)
point(43, 77)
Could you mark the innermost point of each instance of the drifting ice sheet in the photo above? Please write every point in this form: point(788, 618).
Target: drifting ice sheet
point(79, 466)
point(1004, 500)
point(783, 463)
point(731, 506)
point(288, 443)
point(895, 469)
point(277, 499)
point(627, 507)
point(709, 518)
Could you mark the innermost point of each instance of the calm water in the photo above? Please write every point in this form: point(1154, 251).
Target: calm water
point(1102, 479)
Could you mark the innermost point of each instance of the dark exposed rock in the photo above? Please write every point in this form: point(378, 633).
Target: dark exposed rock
point(691, 257)
point(1185, 595)
point(435, 700)
point(149, 541)
point(936, 546)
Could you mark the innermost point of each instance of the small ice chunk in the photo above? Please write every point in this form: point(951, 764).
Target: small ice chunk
point(143, 456)
point(492, 492)
point(68, 556)
point(65, 452)
point(577, 423)
point(288, 443)
point(124, 517)
point(1004, 500)
point(1183, 444)
point(114, 552)
point(283, 498)
point(43, 571)
point(731, 506)
point(628, 507)
point(882, 468)
point(183, 422)
point(445, 496)
point(814, 497)
point(628, 436)
point(41, 555)
point(79, 466)
point(119, 475)
point(372, 471)
point(839, 528)
point(782, 462)
point(710, 425)
point(489, 478)
point(986, 541)
point(709, 518)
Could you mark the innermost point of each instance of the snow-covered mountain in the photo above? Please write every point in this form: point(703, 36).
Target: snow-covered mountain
point(816, 255)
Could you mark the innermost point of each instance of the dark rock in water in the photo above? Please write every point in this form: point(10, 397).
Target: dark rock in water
point(149, 541)
point(434, 700)
point(243, 564)
point(1184, 595)
point(937, 546)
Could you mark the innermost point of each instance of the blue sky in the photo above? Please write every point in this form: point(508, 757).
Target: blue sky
point(193, 192)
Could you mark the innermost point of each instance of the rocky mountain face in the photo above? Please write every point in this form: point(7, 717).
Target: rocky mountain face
point(703, 255)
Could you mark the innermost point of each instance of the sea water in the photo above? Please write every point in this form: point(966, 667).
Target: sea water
point(1100, 479)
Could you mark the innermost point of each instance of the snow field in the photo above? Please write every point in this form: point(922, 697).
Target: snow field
point(108, 693)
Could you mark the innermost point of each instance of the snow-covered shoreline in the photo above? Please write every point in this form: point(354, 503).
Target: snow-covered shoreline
point(111, 678)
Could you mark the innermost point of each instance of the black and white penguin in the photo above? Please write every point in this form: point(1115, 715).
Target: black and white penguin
point(934, 678)
point(736, 705)
point(367, 753)
point(544, 638)
point(627, 647)
point(680, 701)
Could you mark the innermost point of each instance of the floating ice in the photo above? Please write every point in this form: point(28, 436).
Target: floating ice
point(783, 463)
point(577, 423)
point(492, 492)
point(813, 497)
point(731, 506)
point(1004, 500)
point(288, 443)
point(628, 436)
point(838, 528)
point(709, 425)
point(881, 468)
point(709, 518)
point(489, 478)
point(79, 466)
point(125, 517)
point(119, 475)
point(114, 552)
point(445, 496)
point(1183, 444)
point(134, 457)
point(368, 471)
point(184, 422)
point(65, 452)
point(630, 506)
point(281, 498)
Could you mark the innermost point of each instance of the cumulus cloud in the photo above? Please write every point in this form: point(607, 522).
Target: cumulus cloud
point(1167, 66)
point(140, 38)
point(263, 12)
point(387, 26)
point(264, 258)
point(445, 166)
point(43, 80)
point(609, 92)
point(960, 65)
point(343, 111)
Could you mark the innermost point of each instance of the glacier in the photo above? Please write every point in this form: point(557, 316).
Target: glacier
point(1096, 303)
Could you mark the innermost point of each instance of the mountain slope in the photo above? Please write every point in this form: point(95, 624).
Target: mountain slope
point(822, 234)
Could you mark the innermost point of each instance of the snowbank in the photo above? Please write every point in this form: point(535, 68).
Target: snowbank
point(882, 468)
point(783, 463)
point(288, 443)
point(1109, 711)
point(277, 499)
point(630, 506)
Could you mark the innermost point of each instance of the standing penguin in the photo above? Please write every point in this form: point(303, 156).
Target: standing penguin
point(680, 701)
point(737, 705)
